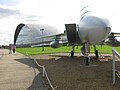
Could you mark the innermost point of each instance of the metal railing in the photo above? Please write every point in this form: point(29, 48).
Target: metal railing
point(114, 53)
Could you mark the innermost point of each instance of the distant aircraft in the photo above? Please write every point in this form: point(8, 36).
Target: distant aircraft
point(91, 30)
point(112, 41)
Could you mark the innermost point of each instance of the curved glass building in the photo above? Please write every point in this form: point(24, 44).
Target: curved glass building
point(32, 34)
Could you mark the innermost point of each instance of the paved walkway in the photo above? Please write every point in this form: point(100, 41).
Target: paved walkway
point(17, 72)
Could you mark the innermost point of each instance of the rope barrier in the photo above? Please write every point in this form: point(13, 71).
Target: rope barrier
point(44, 72)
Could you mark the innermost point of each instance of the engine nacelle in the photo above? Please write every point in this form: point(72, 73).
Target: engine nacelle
point(56, 44)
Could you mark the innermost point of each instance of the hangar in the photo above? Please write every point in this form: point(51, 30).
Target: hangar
point(31, 34)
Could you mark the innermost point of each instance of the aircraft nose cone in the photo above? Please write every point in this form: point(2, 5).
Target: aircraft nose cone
point(101, 29)
point(94, 29)
point(99, 34)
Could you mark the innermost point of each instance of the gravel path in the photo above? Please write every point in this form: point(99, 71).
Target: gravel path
point(70, 73)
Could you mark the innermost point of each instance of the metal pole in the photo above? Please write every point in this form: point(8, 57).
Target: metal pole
point(42, 39)
point(113, 68)
point(87, 54)
point(43, 71)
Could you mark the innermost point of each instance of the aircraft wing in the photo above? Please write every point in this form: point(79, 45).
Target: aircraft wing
point(55, 40)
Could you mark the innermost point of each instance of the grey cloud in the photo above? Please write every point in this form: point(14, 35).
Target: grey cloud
point(9, 2)
point(7, 33)
point(8, 12)
point(33, 18)
point(29, 20)
point(16, 14)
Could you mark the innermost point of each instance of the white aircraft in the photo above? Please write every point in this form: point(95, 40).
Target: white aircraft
point(91, 30)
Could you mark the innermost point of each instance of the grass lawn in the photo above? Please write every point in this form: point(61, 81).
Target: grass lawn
point(47, 50)
point(38, 50)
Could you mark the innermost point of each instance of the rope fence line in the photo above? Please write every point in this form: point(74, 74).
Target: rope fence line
point(115, 71)
point(44, 72)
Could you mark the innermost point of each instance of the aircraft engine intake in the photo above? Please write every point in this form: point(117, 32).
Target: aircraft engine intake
point(56, 44)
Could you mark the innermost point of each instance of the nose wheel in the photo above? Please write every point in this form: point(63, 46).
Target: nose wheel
point(86, 53)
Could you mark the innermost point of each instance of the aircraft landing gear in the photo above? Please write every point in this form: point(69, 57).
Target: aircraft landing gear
point(87, 61)
point(96, 52)
point(72, 52)
point(85, 51)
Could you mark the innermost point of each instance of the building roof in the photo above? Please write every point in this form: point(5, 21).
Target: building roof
point(31, 34)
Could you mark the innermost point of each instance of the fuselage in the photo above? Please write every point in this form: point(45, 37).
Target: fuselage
point(93, 29)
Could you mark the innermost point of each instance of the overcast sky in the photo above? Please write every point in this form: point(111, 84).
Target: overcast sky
point(51, 12)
